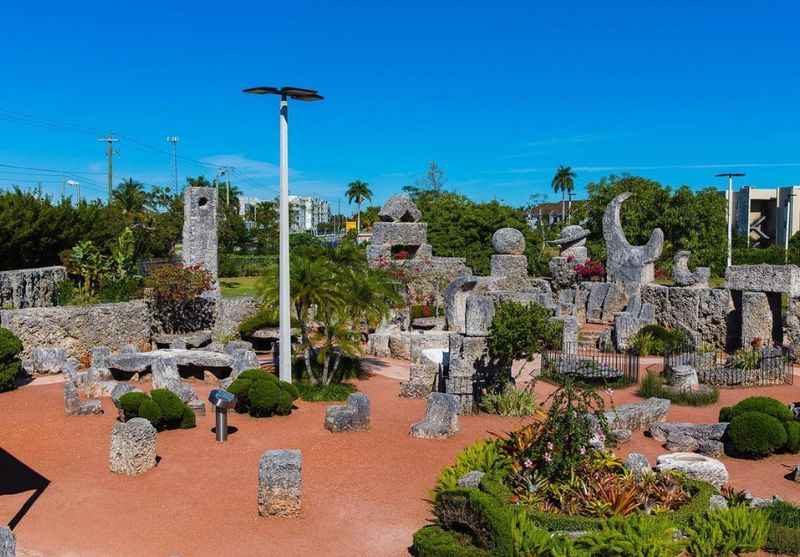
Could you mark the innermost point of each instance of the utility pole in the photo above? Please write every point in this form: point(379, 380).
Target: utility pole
point(110, 140)
point(731, 176)
point(174, 140)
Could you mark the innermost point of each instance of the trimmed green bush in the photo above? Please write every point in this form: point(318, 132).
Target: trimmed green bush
point(756, 434)
point(432, 541)
point(783, 540)
point(10, 365)
point(324, 393)
point(726, 414)
point(262, 394)
point(762, 404)
point(792, 437)
point(165, 410)
point(486, 519)
point(151, 412)
point(170, 404)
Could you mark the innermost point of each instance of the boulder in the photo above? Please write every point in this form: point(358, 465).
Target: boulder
point(235, 345)
point(352, 417)
point(8, 543)
point(714, 432)
point(100, 356)
point(695, 466)
point(280, 483)
point(621, 435)
point(795, 474)
point(508, 241)
point(133, 447)
point(471, 479)
point(638, 415)
point(46, 359)
point(684, 378)
point(638, 464)
point(74, 406)
point(680, 442)
point(441, 417)
point(243, 359)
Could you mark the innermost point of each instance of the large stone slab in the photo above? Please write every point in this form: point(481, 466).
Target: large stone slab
point(764, 278)
point(133, 447)
point(756, 318)
point(26, 288)
point(399, 233)
point(48, 359)
point(354, 416)
point(280, 483)
point(715, 432)
point(695, 466)
point(638, 415)
point(479, 315)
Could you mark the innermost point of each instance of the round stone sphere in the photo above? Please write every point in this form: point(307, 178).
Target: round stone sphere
point(508, 241)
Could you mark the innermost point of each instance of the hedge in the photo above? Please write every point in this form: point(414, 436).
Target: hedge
point(10, 365)
point(163, 408)
point(432, 541)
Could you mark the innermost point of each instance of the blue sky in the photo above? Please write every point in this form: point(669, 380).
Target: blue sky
point(499, 94)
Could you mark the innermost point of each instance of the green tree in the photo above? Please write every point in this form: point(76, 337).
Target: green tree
point(564, 182)
point(359, 192)
point(130, 196)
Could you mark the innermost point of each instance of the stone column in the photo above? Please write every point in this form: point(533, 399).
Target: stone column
point(200, 245)
point(756, 318)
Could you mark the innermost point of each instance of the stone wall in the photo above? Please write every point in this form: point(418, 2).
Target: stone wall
point(79, 328)
point(26, 288)
point(231, 312)
point(708, 314)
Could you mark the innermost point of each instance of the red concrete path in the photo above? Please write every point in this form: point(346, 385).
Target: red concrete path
point(364, 493)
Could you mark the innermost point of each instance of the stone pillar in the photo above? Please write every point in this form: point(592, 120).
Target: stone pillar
point(280, 483)
point(200, 232)
point(756, 318)
point(133, 447)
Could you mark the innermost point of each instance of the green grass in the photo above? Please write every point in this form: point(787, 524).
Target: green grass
point(653, 386)
point(238, 286)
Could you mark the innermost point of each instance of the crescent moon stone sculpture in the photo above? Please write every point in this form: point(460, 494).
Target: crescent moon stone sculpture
point(631, 266)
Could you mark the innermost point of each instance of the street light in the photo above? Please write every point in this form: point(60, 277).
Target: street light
point(73, 184)
point(731, 176)
point(298, 94)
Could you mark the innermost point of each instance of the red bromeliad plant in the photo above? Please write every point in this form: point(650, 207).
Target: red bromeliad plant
point(178, 283)
point(591, 270)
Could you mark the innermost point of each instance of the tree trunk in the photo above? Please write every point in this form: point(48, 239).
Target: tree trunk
point(563, 216)
point(358, 219)
point(337, 359)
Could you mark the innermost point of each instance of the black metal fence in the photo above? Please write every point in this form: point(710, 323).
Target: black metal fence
point(750, 366)
point(588, 365)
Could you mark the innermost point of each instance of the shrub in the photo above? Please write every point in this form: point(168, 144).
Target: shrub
point(784, 528)
point(590, 270)
point(178, 283)
point(519, 331)
point(170, 404)
point(484, 456)
point(644, 344)
point(756, 434)
point(510, 401)
point(131, 402)
point(486, 519)
point(792, 437)
point(763, 404)
point(725, 532)
point(653, 386)
point(638, 536)
point(10, 365)
point(657, 340)
point(726, 414)
point(188, 419)
point(433, 541)
point(262, 394)
point(151, 412)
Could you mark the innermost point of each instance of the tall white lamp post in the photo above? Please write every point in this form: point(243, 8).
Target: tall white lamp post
point(731, 176)
point(285, 340)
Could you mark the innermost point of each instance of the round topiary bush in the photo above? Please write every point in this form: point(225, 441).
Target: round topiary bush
point(130, 403)
point(188, 420)
point(725, 414)
point(171, 405)
point(792, 437)
point(756, 434)
point(262, 394)
point(264, 397)
point(763, 404)
point(151, 412)
point(10, 366)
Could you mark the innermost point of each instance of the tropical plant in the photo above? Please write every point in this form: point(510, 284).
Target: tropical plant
point(130, 196)
point(359, 192)
point(178, 283)
point(510, 401)
point(725, 532)
point(90, 264)
point(563, 181)
point(485, 456)
point(640, 536)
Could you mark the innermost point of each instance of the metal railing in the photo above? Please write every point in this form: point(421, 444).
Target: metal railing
point(587, 364)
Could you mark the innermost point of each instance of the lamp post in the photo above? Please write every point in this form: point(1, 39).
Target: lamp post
point(74, 184)
point(285, 340)
point(731, 176)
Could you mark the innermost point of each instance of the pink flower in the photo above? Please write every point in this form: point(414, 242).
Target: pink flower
point(583, 451)
point(528, 463)
point(549, 446)
point(547, 457)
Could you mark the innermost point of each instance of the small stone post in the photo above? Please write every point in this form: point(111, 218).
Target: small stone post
point(280, 483)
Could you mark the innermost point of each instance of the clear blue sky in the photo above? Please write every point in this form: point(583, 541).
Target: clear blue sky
point(498, 93)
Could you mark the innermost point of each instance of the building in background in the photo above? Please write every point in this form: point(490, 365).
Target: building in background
point(308, 213)
point(767, 216)
point(548, 214)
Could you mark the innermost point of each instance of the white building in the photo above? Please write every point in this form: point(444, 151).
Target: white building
point(307, 213)
point(765, 215)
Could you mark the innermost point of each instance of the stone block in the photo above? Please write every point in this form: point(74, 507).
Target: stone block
point(133, 447)
point(47, 359)
point(695, 466)
point(508, 241)
point(399, 208)
point(471, 479)
point(8, 543)
point(400, 345)
point(233, 346)
point(200, 246)
point(243, 359)
point(378, 345)
point(455, 302)
point(479, 315)
point(354, 416)
point(684, 377)
point(399, 233)
point(638, 415)
point(165, 371)
point(280, 483)
point(509, 266)
point(74, 406)
point(756, 318)
point(594, 304)
point(441, 418)
point(764, 278)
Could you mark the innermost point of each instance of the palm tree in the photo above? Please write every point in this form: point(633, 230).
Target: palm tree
point(359, 192)
point(564, 182)
point(130, 196)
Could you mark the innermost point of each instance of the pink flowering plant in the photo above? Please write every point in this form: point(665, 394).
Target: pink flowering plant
point(591, 270)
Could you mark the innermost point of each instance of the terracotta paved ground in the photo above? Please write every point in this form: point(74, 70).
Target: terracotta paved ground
point(364, 493)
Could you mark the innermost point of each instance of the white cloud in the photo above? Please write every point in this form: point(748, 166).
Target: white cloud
point(251, 167)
